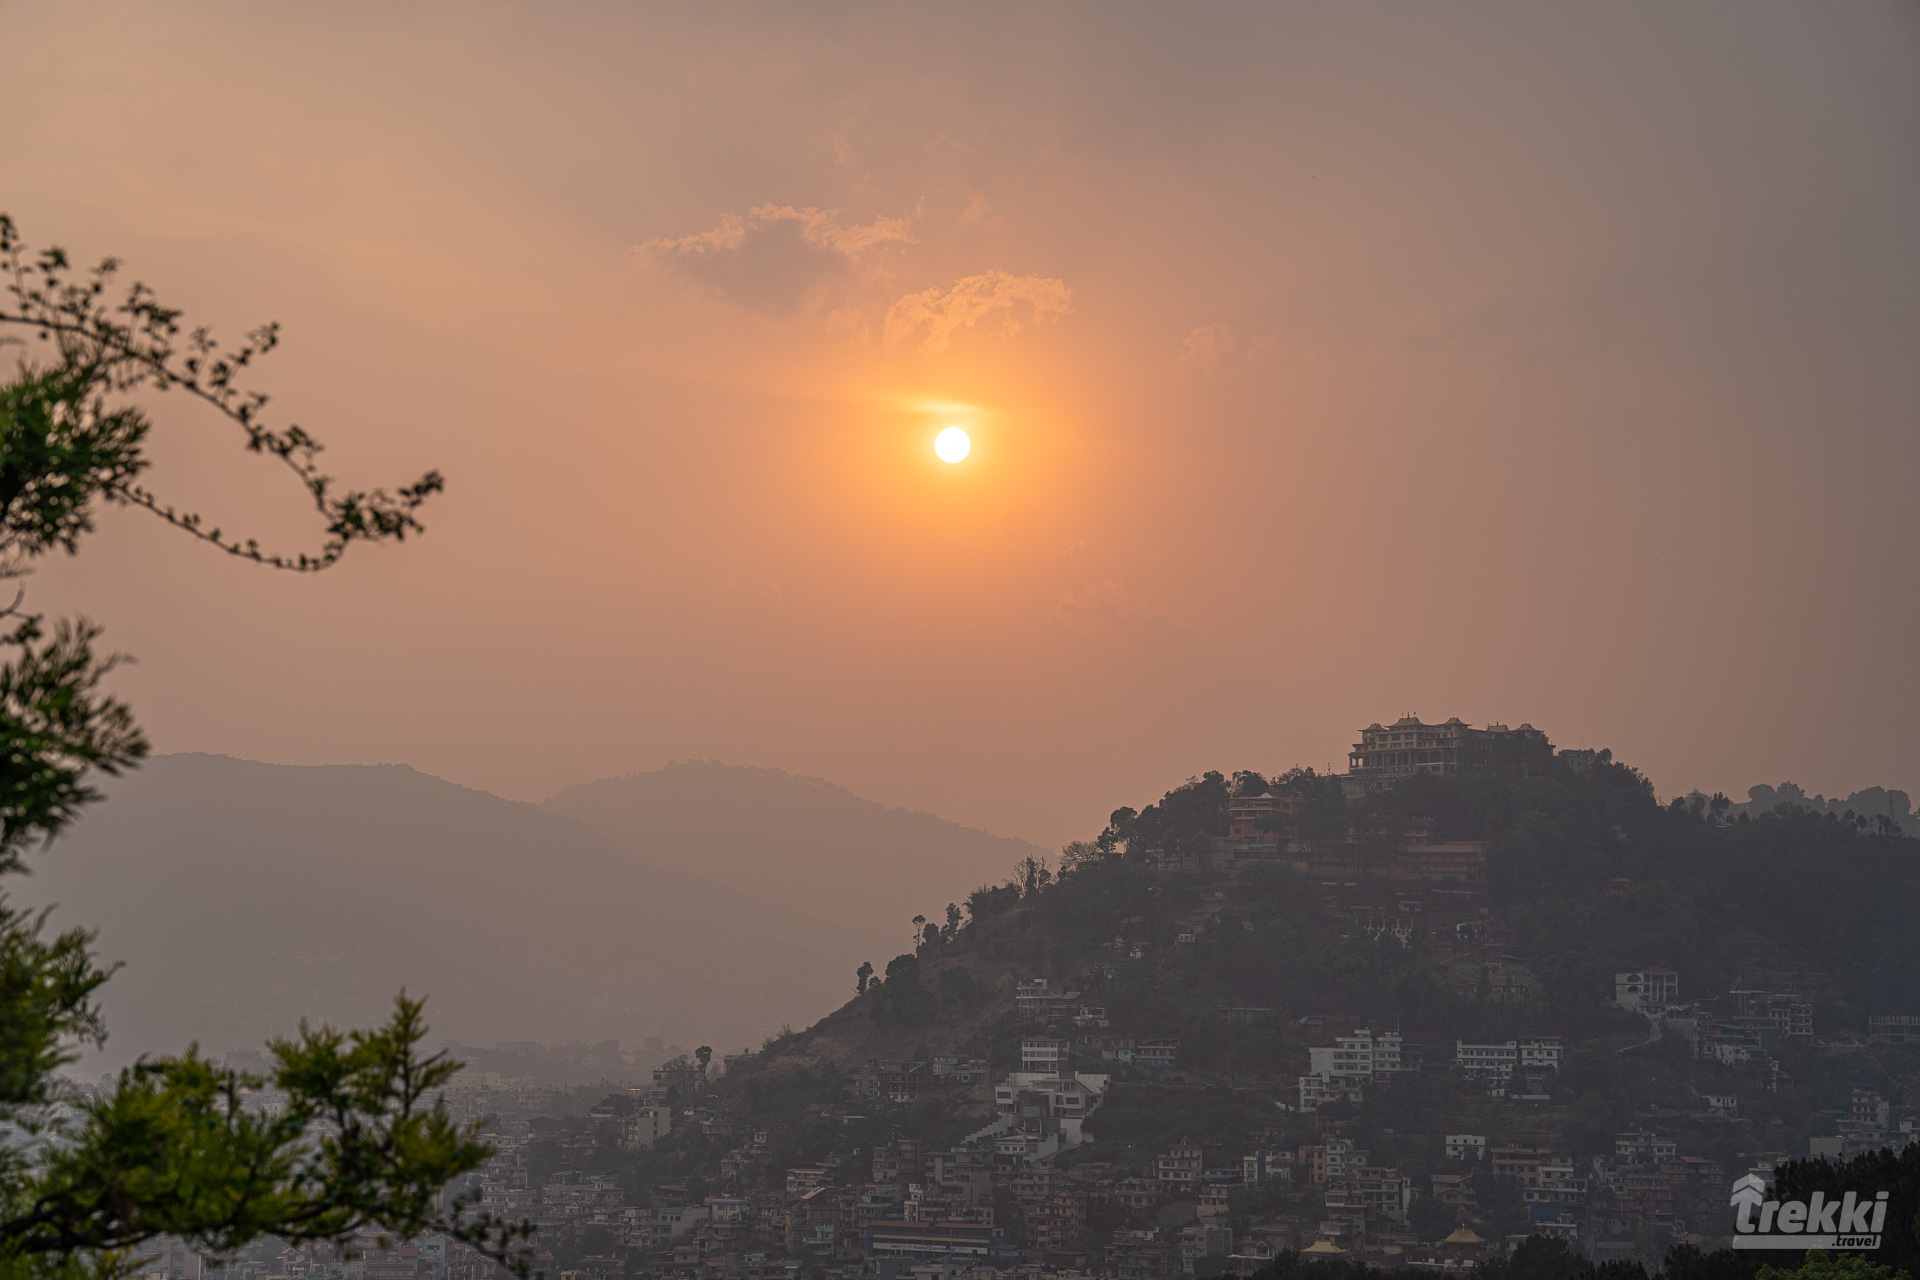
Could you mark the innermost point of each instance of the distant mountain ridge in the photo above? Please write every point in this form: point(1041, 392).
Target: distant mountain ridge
point(244, 896)
point(808, 844)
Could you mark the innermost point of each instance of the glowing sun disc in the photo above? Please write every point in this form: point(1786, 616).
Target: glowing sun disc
point(952, 444)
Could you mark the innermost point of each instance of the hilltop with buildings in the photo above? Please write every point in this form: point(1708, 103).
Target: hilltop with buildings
point(1473, 992)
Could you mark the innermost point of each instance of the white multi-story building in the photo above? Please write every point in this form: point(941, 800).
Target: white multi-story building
point(1486, 1061)
point(1466, 1146)
point(1043, 1053)
point(645, 1126)
point(1344, 1068)
point(1316, 1089)
point(1071, 1097)
point(1344, 1160)
point(1363, 1055)
point(1040, 1001)
point(1646, 989)
point(1263, 1164)
point(1893, 1028)
point(1542, 1053)
point(1499, 1061)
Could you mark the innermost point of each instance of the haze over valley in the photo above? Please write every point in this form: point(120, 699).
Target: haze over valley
point(241, 896)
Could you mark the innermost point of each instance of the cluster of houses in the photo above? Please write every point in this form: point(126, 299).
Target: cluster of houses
point(1600, 1208)
point(1343, 1070)
point(1263, 830)
point(1069, 1021)
point(1752, 1030)
point(1870, 1124)
point(362, 1257)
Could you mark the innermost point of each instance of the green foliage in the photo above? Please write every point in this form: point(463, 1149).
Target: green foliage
point(1619, 1269)
point(1324, 811)
point(1535, 1258)
point(1153, 1117)
point(1822, 1265)
point(899, 1000)
point(1867, 1175)
point(958, 987)
point(46, 1011)
point(171, 1149)
point(1429, 1219)
point(1183, 820)
point(1502, 1211)
point(60, 450)
point(57, 431)
point(989, 901)
point(55, 725)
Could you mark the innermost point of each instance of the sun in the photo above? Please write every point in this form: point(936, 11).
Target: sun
point(952, 445)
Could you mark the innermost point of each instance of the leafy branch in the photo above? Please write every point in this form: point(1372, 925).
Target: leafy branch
point(55, 724)
point(362, 1142)
point(108, 347)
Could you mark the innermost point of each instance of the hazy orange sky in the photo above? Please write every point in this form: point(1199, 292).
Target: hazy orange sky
point(1324, 363)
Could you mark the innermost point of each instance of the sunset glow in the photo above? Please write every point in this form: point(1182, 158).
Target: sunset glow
point(1030, 552)
point(1288, 363)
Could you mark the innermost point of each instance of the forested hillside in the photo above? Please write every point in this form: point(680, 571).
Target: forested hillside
point(1242, 971)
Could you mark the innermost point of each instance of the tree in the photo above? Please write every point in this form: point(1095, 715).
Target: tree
point(1542, 1258)
point(703, 1055)
point(863, 975)
point(900, 999)
point(1078, 854)
point(1429, 1219)
point(1502, 1211)
point(1867, 1175)
point(958, 987)
point(87, 1179)
point(1822, 1265)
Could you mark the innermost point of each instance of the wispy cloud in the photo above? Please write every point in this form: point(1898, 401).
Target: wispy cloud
point(666, 250)
point(1206, 349)
point(971, 300)
point(977, 210)
point(1106, 601)
point(776, 257)
point(820, 228)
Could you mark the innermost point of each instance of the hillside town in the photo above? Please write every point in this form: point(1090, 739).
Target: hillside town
point(1000, 1200)
point(1024, 1124)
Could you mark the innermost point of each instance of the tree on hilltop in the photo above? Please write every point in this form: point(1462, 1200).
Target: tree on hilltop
point(88, 1179)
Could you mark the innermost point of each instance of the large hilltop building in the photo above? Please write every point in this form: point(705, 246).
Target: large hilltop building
point(1386, 754)
point(1265, 828)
